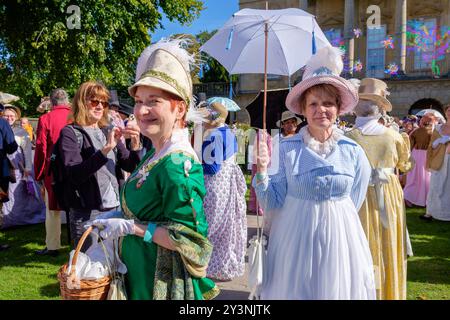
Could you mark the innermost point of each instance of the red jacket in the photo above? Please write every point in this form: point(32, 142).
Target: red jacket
point(48, 130)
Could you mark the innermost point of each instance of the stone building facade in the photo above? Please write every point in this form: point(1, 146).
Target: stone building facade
point(423, 76)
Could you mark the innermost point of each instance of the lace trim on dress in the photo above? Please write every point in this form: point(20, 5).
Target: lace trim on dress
point(322, 149)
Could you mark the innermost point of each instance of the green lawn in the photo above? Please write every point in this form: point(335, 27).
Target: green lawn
point(23, 275)
point(429, 268)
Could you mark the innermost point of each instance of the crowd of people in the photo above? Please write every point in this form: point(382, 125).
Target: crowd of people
point(333, 195)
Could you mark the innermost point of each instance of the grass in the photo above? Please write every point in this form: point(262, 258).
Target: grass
point(429, 268)
point(25, 276)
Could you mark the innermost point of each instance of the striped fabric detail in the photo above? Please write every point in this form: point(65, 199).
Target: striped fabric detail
point(305, 175)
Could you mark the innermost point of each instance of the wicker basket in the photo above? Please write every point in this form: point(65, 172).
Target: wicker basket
point(87, 289)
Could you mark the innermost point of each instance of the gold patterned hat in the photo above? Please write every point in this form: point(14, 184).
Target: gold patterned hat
point(165, 65)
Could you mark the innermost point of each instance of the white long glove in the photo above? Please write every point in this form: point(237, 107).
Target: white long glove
point(442, 140)
point(114, 227)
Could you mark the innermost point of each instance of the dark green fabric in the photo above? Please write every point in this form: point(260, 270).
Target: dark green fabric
point(164, 198)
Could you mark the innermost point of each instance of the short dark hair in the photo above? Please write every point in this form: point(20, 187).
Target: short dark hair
point(59, 97)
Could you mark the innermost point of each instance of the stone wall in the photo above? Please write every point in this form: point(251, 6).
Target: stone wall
point(405, 93)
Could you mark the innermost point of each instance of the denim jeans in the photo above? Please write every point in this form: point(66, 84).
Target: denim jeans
point(78, 219)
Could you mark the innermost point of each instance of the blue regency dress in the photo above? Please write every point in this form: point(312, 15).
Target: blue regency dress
point(317, 246)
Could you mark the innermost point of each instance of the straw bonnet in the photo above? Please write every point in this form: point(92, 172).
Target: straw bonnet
point(213, 113)
point(45, 105)
point(165, 65)
point(13, 108)
point(324, 68)
point(375, 90)
point(286, 116)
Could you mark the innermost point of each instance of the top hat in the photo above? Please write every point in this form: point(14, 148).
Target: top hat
point(375, 90)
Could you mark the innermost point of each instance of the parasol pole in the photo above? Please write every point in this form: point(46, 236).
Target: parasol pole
point(266, 36)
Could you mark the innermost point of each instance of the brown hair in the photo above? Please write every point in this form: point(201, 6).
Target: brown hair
point(89, 90)
point(323, 88)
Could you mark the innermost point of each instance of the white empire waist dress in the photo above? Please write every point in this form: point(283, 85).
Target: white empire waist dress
point(317, 246)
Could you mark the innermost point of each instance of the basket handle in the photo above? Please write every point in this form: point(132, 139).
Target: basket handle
point(78, 248)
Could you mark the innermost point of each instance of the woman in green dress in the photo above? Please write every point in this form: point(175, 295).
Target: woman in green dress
point(163, 228)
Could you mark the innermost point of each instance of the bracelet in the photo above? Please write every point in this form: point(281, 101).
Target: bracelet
point(148, 235)
point(261, 176)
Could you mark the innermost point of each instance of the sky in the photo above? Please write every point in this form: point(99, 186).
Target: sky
point(215, 15)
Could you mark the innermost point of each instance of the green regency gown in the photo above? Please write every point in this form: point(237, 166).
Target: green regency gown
point(168, 192)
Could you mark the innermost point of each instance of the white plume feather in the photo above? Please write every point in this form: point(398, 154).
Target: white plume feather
point(326, 57)
point(174, 46)
point(195, 116)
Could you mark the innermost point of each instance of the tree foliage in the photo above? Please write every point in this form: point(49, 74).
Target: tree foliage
point(38, 52)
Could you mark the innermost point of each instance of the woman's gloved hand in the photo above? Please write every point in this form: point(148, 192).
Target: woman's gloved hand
point(113, 227)
point(440, 140)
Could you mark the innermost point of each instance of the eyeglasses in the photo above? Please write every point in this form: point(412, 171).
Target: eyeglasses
point(95, 103)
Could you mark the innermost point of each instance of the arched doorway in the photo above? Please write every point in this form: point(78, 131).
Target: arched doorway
point(426, 104)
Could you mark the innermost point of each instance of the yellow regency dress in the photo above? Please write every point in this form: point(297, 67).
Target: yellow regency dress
point(388, 240)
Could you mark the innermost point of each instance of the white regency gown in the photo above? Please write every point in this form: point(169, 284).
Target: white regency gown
point(317, 246)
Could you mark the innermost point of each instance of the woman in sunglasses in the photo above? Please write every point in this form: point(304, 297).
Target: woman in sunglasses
point(91, 150)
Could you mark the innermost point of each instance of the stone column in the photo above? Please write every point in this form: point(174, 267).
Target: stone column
point(303, 4)
point(349, 37)
point(401, 20)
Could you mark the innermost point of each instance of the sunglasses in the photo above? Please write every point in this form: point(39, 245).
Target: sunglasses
point(95, 103)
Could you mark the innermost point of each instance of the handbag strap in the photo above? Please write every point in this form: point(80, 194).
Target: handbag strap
point(259, 229)
point(109, 264)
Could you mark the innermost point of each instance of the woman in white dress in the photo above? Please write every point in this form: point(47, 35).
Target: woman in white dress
point(317, 247)
point(438, 161)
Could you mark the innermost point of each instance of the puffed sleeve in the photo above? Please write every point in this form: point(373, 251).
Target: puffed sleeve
point(271, 191)
point(183, 190)
point(213, 152)
point(363, 171)
point(404, 154)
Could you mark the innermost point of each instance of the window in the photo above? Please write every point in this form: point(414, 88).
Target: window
point(424, 33)
point(375, 58)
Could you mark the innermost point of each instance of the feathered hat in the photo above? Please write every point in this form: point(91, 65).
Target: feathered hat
point(166, 65)
point(324, 68)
